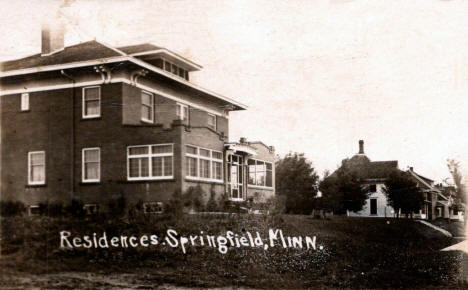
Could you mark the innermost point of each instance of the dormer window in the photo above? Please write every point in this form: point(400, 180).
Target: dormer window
point(175, 70)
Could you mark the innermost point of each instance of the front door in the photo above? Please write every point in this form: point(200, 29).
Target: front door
point(235, 177)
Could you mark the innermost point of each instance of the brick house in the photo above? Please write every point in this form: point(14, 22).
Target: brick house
point(94, 122)
point(373, 174)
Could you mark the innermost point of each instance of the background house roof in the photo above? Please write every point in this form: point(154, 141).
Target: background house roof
point(90, 50)
point(130, 49)
point(361, 165)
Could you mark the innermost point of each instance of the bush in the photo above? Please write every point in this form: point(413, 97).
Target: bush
point(75, 208)
point(11, 208)
point(175, 206)
point(51, 209)
point(276, 205)
point(117, 206)
point(212, 205)
point(192, 199)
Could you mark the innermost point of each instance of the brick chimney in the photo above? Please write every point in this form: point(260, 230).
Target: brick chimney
point(52, 37)
point(361, 146)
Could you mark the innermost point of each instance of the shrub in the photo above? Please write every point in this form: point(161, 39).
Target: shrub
point(276, 205)
point(117, 206)
point(212, 205)
point(75, 208)
point(51, 209)
point(175, 206)
point(11, 208)
point(192, 198)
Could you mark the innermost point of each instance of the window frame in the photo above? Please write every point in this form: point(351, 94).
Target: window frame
point(24, 102)
point(83, 104)
point(181, 108)
point(150, 156)
point(30, 182)
point(83, 164)
point(151, 106)
point(211, 160)
point(148, 204)
point(272, 170)
point(214, 127)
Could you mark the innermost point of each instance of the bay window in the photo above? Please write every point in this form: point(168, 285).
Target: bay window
point(149, 162)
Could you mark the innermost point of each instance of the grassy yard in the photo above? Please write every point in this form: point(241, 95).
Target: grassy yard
point(456, 228)
point(355, 253)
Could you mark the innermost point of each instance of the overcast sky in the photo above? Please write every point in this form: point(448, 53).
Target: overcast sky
point(317, 75)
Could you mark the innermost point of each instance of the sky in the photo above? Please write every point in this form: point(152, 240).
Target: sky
point(317, 75)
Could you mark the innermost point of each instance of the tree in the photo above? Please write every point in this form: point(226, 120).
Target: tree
point(457, 178)
point(342, 191)
point(403, 193)
point(454, 168)
point(296, 179)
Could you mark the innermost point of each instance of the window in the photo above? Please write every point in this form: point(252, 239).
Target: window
point(203, 164)
point(34, 210)
point(147, 107)
point(212, 121)
point(373, 206)
point(91, 164)
point(91, 102)
point(175, 70)
point(24, 102)
point(182, 112)
point(153, 207)
point(148, 162)
point(372, 188)
point(36, 167)
point(260, 173)
point(91, 209)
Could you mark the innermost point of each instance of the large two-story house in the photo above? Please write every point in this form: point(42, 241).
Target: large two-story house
point(94, 122)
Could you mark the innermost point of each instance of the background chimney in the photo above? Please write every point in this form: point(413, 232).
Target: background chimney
point(411, 168)
point(52, 37)
point(361, 147)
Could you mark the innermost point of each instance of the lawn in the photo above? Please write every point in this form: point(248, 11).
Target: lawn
point(350, 253)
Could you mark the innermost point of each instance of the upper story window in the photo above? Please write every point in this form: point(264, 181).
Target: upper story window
point(25, 102)
point(91, 102)
point(373, 188)
point(182, 112)
point(260, 173)
point(212, 121)
point(146, 162)
point(91, 164)
point(203, 164)
point(147, 107)
point(175, 70)
point(36, 167)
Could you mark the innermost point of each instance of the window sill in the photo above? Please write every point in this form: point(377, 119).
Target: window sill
point(25, 111)
point(35, 185)
point(91, 118)
point(261, 187)
point(147, 121)
point(194, 179)
point(171, 178)
point(236, 199)
point(90, 182)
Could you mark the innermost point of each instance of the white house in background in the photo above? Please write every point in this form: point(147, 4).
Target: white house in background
point(373, 175)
